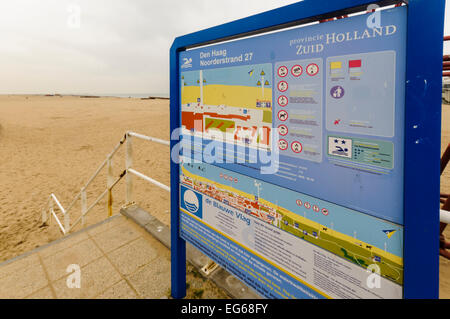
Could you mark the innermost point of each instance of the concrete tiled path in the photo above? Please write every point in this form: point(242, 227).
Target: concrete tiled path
point(118, 259)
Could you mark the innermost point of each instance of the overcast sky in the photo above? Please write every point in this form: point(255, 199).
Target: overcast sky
point(114, 47)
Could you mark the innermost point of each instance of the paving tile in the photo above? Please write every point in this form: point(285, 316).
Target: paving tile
point(66, 243)
point(111, 223)
point(134, 255)
point(23, 282)
point(18, 265)
point(80, 254)
point(120, 290)
point(153, 280)
point(95, 278)
point(117, 236)
point(44, 293)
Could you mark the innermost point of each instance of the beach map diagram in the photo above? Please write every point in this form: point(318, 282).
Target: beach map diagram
point(326, 225)
point(229, 104)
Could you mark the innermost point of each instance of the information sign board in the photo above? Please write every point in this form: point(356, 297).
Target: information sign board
point(293, 157)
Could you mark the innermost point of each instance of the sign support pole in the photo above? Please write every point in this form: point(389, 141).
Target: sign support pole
point(423, 148)
point(178, 245)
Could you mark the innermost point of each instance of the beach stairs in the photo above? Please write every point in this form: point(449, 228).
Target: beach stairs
point(63, 216)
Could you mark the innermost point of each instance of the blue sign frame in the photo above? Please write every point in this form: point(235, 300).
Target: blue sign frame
point(422, 126)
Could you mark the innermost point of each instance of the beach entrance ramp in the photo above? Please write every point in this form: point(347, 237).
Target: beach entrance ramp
point(126, 256)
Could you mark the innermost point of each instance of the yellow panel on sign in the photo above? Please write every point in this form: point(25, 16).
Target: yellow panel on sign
point(336, 65)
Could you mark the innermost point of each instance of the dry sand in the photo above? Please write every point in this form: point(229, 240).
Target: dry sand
point(54, 144)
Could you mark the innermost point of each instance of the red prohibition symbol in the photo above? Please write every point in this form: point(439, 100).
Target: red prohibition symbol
point(325, 212)
point(299, 203)
point(283, 145)
point(297, 147)
point(283, 130)
point(283, 115)
point(283, 101)
point(312, 69)
point(283, 86)
point(282, 71)
point(297, 70)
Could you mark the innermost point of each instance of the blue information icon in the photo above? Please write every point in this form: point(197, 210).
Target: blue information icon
point(337, 92)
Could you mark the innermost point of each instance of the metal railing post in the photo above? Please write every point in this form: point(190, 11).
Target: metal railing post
point(109, 185)
point(83, 206)
point(128, 165)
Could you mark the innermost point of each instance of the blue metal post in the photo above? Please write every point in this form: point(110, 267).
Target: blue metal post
point(423, 147)
point(178, 245)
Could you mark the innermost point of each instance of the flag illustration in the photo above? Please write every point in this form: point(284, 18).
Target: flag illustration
point(335, 68)
point(389, 233)
point(355, 66)
point(251, 72)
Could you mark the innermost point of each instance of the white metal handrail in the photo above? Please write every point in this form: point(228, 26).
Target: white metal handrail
point(445, 217)
point(66, 226)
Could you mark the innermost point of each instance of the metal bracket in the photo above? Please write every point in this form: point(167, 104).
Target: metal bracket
point(209, 268)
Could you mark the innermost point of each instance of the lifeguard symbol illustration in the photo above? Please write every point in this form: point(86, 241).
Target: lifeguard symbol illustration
point(341, 147)
point(191, 201)
point(283, 145)
point(297, 70)
point(283, 115)
point(283, 101)
point(282, 71)
point(283, 130)
point(283, 86)
point(297, 147)
point(312, 69)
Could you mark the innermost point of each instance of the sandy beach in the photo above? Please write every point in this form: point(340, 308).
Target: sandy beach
point(54, 144)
